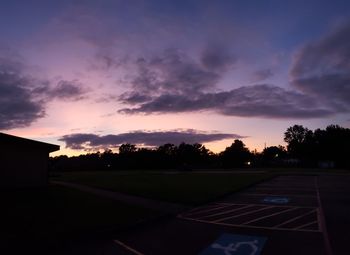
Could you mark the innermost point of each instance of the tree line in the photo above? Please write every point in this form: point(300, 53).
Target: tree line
point(305, 148)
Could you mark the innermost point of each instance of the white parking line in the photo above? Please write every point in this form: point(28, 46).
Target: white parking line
point(211, 206)
point(206, 209)
point(296, 218)
point(128, 247)
point(304, 189)
point(249, 226)
point(224, 212)
point(322, 221)
point(305, 225)
point(270, 215)
point(242, 214)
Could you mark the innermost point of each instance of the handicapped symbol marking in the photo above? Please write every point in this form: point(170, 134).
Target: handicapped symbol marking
point(228, 244)
point(276, 200)
point(232, 247)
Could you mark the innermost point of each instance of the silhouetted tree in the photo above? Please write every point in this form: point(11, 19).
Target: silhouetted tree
point(299, 140)
point(108, 159)
point(321, 145)
point(191, 155)
point(273, 155)
point(311, 148)
point(127, 148)
point(332, 144)
point(237, 155)
point(167, 156)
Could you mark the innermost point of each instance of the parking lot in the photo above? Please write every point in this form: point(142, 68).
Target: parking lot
point(281, 216)
point(258, 216)
point(294, 214)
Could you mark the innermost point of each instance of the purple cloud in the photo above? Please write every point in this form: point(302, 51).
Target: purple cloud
point(145, 138)
point(23, 98)
point(251, 101)
point(322, 69)
point(18, 107)
point(67, 90)
point(174, 82)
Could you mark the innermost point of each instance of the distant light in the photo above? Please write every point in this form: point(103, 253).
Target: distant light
point(248, 163)
point(276, 156)
point(108, 165)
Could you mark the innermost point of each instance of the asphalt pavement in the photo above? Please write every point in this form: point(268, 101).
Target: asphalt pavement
point(289, 215)
point(286, 215)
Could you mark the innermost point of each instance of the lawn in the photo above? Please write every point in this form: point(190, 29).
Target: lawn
point(185, 188)
point(57, 212)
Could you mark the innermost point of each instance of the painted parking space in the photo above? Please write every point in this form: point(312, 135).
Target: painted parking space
point(299, 191)
point(258, 216)
point(284, 203)
point(293, 227)
point(258, 198)
point(284, 190)
point(176, 236)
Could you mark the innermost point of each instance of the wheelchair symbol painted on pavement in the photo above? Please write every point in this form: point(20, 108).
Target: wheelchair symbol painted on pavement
point(228, 244)
point(276, 200)
point(231, 248)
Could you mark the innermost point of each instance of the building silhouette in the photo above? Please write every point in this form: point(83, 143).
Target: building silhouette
point(23, 162)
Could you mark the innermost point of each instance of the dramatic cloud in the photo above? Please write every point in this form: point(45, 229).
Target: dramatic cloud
point(176, 73)
point(174, 83)
point(271, 101)
point(250, 101)
point(322, 68)
point(23, 98)
point(145, 138)
point(62, 90)
point(18, 108)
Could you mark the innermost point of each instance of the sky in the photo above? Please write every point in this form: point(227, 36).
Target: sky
point(90, 75)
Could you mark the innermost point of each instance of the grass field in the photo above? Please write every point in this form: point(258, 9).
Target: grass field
point(56, 212)
point(186, 188)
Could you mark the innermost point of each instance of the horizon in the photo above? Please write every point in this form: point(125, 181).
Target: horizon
point(152, 72)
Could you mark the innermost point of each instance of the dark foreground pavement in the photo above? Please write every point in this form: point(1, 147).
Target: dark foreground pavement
point(289, 215)
point(283, 214)
point(335, 197)
point(286, 215)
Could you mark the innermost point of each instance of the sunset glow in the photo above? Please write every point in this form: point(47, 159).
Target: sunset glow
point(199, 68)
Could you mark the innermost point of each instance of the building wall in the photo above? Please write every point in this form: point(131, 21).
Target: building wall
point(23, 168)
